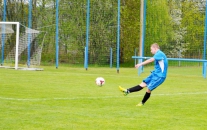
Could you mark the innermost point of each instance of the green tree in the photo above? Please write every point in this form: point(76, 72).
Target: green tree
point(103, 26)
point(193, 20)
point(130, 29)
point(159, 27)
point(177, 45)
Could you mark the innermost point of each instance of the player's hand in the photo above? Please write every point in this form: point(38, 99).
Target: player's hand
point(138, 65)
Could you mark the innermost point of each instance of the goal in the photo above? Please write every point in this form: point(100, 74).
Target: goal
point(21, 47)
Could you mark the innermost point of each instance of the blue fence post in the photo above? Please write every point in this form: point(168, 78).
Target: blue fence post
point(204, 46)
point(141, 69)
point(135, 53)
point(29, 34)
point(3, 35)
point(205, 65)
point(57, 33)
point(85, 66)
point(87, 34)
point(118, 36)
point(111, 57)
point(4, 13)
point(204, 69)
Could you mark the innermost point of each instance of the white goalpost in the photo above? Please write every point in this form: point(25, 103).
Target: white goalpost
point(3, 32)
point(20, 48)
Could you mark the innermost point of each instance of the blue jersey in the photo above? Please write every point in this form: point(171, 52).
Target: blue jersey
point(161, 64)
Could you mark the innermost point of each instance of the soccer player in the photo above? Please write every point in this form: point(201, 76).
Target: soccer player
point(157, 76)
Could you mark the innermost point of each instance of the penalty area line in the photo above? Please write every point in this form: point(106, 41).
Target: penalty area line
point(104, 97)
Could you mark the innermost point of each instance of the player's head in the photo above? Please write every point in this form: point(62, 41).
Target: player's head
point(154, 48)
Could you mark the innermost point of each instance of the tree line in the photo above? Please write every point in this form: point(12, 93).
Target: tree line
point(177, 25)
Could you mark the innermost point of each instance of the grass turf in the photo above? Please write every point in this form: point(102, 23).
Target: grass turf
point(67, 98)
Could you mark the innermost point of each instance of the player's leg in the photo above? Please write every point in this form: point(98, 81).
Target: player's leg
point(145, 98)
point(132, 89)
point(152, 85)
point(136, 88)
point(139, 87)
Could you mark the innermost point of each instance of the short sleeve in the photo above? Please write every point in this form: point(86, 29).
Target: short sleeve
point(158, 56)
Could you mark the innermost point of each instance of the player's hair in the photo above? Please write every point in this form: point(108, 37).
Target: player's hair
point(155, 45)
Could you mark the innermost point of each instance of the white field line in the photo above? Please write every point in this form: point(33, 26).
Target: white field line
point(104, 97)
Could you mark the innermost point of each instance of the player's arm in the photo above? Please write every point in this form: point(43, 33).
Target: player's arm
point(145, 62)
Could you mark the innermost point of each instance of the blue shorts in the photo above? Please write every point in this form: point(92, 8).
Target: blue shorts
point(153, 81)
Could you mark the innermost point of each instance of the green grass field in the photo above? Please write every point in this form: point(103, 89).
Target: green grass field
point(68, 99)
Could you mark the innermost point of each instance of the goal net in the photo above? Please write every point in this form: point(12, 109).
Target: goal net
point(20, 47)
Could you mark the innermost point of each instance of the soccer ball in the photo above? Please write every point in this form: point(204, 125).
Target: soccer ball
point(100, 81)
